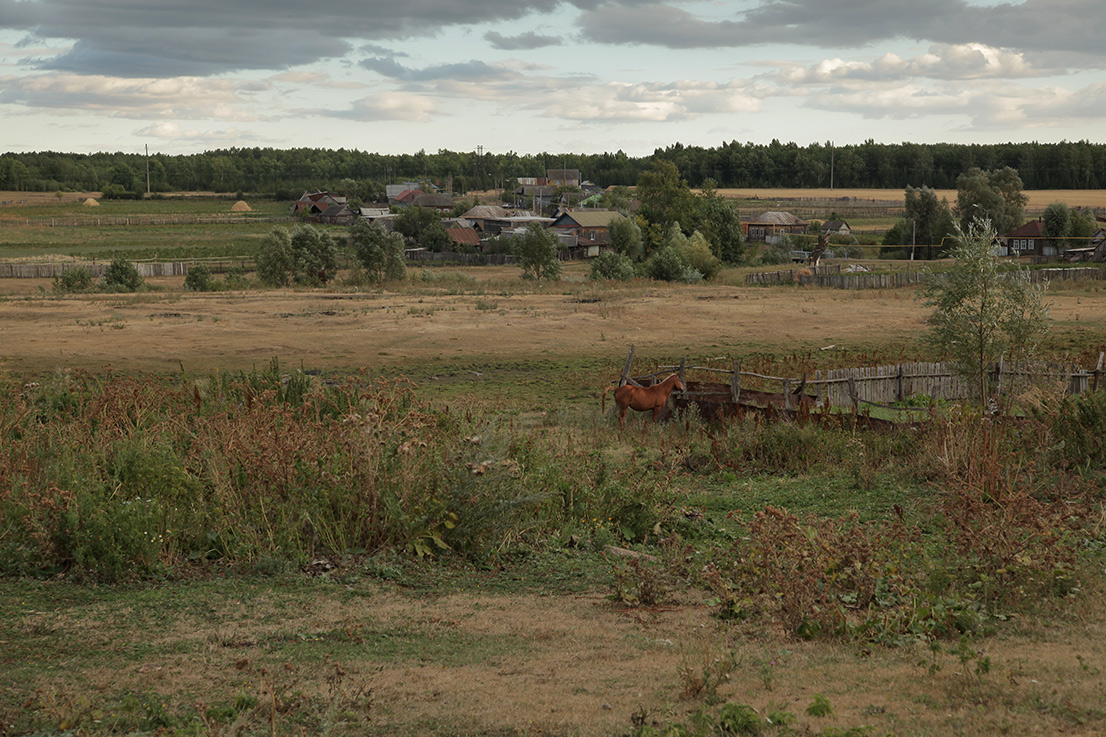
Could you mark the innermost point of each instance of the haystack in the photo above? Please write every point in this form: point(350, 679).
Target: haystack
point(90, 203)
point(241, 206)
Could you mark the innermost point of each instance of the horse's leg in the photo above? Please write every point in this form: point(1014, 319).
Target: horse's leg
point(622, 416)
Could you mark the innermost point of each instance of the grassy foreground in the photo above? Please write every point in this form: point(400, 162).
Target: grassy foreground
point(268, 552)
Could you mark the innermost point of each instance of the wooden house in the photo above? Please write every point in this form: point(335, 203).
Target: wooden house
point(1027, 240)
point(771, 225)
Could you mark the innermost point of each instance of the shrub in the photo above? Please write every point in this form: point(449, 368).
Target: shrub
point(122, 276)
point(380, 252)
point(198, 278)
point(612, 265)
point(669, 264)
point(71, 281)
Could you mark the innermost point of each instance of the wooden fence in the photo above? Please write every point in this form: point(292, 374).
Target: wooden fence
point(896, 279)
point(886, 385)
point(96, 269)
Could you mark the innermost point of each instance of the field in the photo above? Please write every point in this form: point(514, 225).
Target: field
point(400, 510)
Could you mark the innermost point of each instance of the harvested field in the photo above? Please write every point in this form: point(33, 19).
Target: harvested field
point(345, 330)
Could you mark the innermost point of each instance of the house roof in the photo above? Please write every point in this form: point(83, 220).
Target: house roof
point(834, 225)
point(570, 174)
point(587, 218)
point(463, 236)
point(1032, 229)
point(776, 217)
point(407, 195)
point(427, 199)
point(488, 212)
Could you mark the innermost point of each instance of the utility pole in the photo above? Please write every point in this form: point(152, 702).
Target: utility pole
point(147, 171)
point(480, 165)
point(831, 164)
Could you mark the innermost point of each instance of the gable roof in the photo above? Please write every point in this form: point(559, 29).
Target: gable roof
point(834, 225)
point(427, 199)
point(1032, 229)
point(587, 218)
point(777, 217)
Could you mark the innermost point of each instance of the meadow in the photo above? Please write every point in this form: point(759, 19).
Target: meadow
point(399, 509)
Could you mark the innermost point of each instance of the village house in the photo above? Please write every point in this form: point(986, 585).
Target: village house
point(1027, 240)
point(770, 226)
point(836, 227)
point(438, 202)
point(587, 232)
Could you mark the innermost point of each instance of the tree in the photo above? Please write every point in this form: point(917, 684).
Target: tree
point(928, 220)
point(990, 195)
point(536, 253)
point(722, 228)
point(981, 311)
point(423, 226)
point(198, 278)
point(626, 237)
point(699, 256)
point(275, 260)
point(1057, 225)
point(315, 256)
point(306, 256)
point(122, 276)
point(665, 196)
point(380, 252)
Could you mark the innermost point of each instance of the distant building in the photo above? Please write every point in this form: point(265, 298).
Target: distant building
point(1027, 240)
point(836, 227)
point(770, 226)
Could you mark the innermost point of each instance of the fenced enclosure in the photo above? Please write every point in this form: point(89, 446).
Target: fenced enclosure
point(834, 277)
point(894, 385)
point(145, 268)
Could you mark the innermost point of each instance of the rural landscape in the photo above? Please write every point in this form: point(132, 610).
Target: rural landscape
point(339, 452)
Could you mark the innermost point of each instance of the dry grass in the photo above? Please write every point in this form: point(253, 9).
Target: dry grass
point(582, 666)
point(493, 321)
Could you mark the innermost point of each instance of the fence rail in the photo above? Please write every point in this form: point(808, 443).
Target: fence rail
point(896, 279)
point(886, 385)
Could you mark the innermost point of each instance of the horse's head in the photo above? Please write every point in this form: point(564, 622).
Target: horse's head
point(676, 383)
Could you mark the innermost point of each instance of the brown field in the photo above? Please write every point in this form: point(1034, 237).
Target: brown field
point(494, 320)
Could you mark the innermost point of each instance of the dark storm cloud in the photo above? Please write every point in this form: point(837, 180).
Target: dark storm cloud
point(1035, 25)
point(203, 37)
point(520, 42)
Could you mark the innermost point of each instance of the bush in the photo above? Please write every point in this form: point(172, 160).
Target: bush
point(199, 278)
point(122, 276)
point(380, 252)
point(306, 256)
point(669, 264)
point(71, 281)
point(612, 265)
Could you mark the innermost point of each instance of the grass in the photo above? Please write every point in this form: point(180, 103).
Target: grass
point(348, 553)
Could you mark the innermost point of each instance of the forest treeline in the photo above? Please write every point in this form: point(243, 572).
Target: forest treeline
point(286, 172)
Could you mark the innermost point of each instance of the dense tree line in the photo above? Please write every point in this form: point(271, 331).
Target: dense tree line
point(286, 172)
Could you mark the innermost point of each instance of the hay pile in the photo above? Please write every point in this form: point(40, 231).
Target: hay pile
point(241, 206)
point(90, 203)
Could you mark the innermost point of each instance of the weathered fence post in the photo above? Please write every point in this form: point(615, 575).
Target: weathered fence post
point(683, 367)
point(853, 393)
point(735, 382)
point(626, 369)
point(900, 392)
point(1098, 370)
point(787, 403)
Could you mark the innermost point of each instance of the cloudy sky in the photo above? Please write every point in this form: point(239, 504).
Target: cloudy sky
point(527, 76)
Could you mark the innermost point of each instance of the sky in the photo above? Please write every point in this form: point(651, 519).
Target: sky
point(527, 76)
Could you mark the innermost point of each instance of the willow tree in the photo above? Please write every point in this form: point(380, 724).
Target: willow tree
point(983, 308)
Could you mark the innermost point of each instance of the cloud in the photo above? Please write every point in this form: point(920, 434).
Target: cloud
point(180, 97)
point(391, 106)
point(471, 70)
point(521, 42)
point(205, 37)
point(174, 132)
point(1060, 26)
point(943, 61)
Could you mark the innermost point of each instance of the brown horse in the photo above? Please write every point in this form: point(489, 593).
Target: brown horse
point(642, 398)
